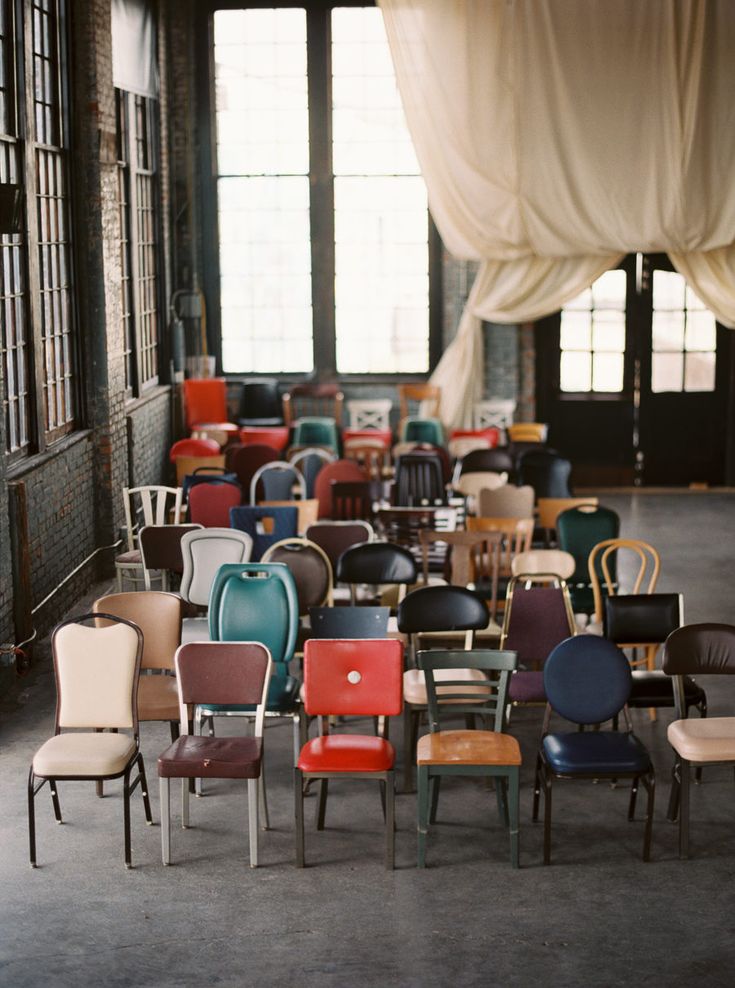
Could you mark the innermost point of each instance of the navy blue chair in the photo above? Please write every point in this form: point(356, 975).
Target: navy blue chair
point(588, 681)
point(250, 519)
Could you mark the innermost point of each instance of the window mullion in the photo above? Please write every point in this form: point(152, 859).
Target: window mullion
point(134, 254)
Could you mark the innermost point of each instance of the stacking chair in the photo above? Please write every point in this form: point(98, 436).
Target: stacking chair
point(603, 565)
point(260, 403)
point(187, 466)
point(278, 481)
point(351, 679)
point(516, 535)
point(158, 506)
point(471, 485)
point(419, 481)
point(159, 617)
point(309, 461)
point(310, 568)
point(336, 536)
point(528, 432)
point(204, 551)
point(553, 564)
point(403, 526)
point(587, 681)
point(351, 500)
point(494, 413)
point(205, 400)
point(212, 673)
point(313, 400)
point(307, 511)
point(470, 752)
point(377, 564)
point(443, 611)
point(507, 501)
point(549, 509)
point(369, 415)
point(578, 532)
point(342, 470)
point(316, 430)
point(474, 559)
point(496, 460)
point(97, 671)
point(697, 649)
point(245, 461)
point(193, 447)
point(426, 399)
point(209, 504)
point(349, 622)
point(422, 430)
point(160, 547)
point(546, 471)
point(265, 525)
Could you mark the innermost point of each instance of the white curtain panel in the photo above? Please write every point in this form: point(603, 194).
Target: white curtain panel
point(556, 137)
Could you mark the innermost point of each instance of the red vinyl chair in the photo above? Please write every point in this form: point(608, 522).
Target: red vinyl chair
point(341, 470)
point(193, 447)
point(209, 504)
point(205, 400)
point(349, 678)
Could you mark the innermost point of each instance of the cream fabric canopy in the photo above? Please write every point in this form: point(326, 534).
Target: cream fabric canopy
point(556, 137)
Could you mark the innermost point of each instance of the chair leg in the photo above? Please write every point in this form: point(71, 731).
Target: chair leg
point(649, 782)
point(144, 789)
point(321, 808)
point(434, 790)
point(126, 818)
point(673, 808)
point(55, 800)
point(253, 821)
point(164, 786)
point(501, 795)
point(32, 818)
point(390, 821)
point(300, 733)
point(381, 787)
point(423, 815)
point(298, 789)
point(547, 819)
point(407, 750)
point(536, 788)
point(184, 804)
point(263, 797)
point(174, 728)
point(684, 810)
point(514, 818)
point(633, 797)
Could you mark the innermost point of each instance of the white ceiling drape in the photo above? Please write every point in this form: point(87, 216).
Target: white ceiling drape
point(556, 137)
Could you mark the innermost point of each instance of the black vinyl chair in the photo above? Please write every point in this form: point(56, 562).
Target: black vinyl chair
point(497, 460)
point(546, 471)
point(376, 564)
point(260, 403)
point(419, 480)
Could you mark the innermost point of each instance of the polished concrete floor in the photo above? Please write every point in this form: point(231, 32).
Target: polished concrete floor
point(597, 916)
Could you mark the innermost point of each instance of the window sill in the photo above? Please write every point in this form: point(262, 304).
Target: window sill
point(37, 460)
point(150, 395)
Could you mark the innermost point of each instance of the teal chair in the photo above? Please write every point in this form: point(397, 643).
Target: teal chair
point(315, 430)
point(420, 430)
point(578, 531)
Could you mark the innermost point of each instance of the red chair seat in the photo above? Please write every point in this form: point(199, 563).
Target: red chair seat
point(274, 436)
point(347, 753)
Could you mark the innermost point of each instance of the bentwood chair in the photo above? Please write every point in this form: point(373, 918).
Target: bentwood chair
point(697, 649)
point(97, 671)
point(216, 673)
point(351, 679)
point(587, 681)
point(604, 565)
point(486, 752)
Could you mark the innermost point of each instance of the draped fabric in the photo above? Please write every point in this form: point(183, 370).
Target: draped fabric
point(134, 59)
point(555, 138)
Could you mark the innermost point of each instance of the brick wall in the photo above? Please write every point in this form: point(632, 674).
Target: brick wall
point(149, 440)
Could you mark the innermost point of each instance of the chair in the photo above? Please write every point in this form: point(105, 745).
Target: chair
point(275, 436)
point(528, 432)
point(158, 505)
point(442, 612)
point(343, 470)
point(244, 461)
point(697, 649)
point(260, 403)
point(310, 567)
point(516, 535)
point(205, 400)
point(351, 499)
point(308, 399)
point(554, 563)
point(422, 430)
point(474, 558)
point(494, 413)
point(210, 673)
point(336, 536)
point(209, 504)
point(265, 526)
point(307, 511)
point(546, 471)
point(203, 552)
point(578, 532)
point(549, 509)
point(159, 617)
point(507, 501)
point(372, 455)
point(587, 681)
point(471, 484)
point(277, 481)
point(537, 618)
point(464, 441)
point(430, 394)
point(160, 547)
point(369, 414)
point(496, 460)
point(349, 622)
point(193, 447)
point(403, 526)
point(310, 461)
point(223, 433)
point(470, 752)
point(602, 565)
point(187, 466)
point(376, 564)
point(349, 678)
point(316, 430)
point(419, 481)
point(97, 671)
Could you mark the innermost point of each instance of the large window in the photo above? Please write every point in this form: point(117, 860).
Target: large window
point(684, 337)
point(322, 213)
point(37, 325)
point(592, 339)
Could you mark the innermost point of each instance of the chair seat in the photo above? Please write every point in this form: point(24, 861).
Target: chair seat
point(588, 752)
point(347, 753)
point(414, 683)
point(655, 689)
point(708, 739)
point(468, 748)
point(158, 698)
point(86, 754)
point(283, 697)
point(527, 687)
point(191, 756)
point(132, 557)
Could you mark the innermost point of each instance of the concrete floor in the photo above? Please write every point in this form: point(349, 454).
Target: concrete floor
point(597, 916)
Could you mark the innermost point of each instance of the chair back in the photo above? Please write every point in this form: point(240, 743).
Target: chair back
point(555, 563)
point(422, 430)
point(260, 402)
point(587, 679)
point(97, 671)
point(459, 696)
point(371, 413)
point(276, 481)
point(493, 413)
point(209, 504)
point(474, 556)
point(349, 622)
point(154, 503)
point(336, 536)
point(188, 466)
point(307, 511)
point(442, 608)
point(316, 430)
point(205, 400)
point(419, 480)
point(496, 460)
point(516, 536)
point(256, 602)
point(310, 461)
point(536, 619)
point(507, 501)
point(160, 547)
point(346, 470)
point(227, 673)
point(372, 455)
point(348, 678)
point(156, 613)
point(547, 472)
point(700, 649)
point(602, 567)
point(204, 551)
point(578, 531)
point(351, 499)
point(376, 563)
point(642, 619)
point(471, 485)
point(324, 400)
point(426, 395)
point(549, 508)
point(243, 461)
point(528, 432)
point(193, 447)
point(310, 568)
point(265, 526)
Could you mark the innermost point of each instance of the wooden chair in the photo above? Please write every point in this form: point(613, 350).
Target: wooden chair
point(419, 393)
point(528, 432)
point(549, 509)
point(313, 400)
point(516, 535)
point(351, 499)
point(187, 465)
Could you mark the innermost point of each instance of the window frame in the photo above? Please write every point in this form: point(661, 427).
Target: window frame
point(321, 203)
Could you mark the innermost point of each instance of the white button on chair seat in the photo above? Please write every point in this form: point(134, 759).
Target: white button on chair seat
point(711, 739)
point(414, 683)
point(83, 754)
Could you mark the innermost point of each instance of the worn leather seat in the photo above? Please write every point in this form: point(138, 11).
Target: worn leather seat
point(192, 756)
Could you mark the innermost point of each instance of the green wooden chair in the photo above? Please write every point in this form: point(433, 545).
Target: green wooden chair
point(468, 752)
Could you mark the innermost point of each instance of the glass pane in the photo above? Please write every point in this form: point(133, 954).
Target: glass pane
point(608, 332)
point(699, 374)
point(607, 372)
point(608, 292)
point(668, 290)
point(575, 330)
point(668, 330)
point(575, 371)
point(667, 371)
point(693, 301)
point(581, 301)
point(701, 333)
